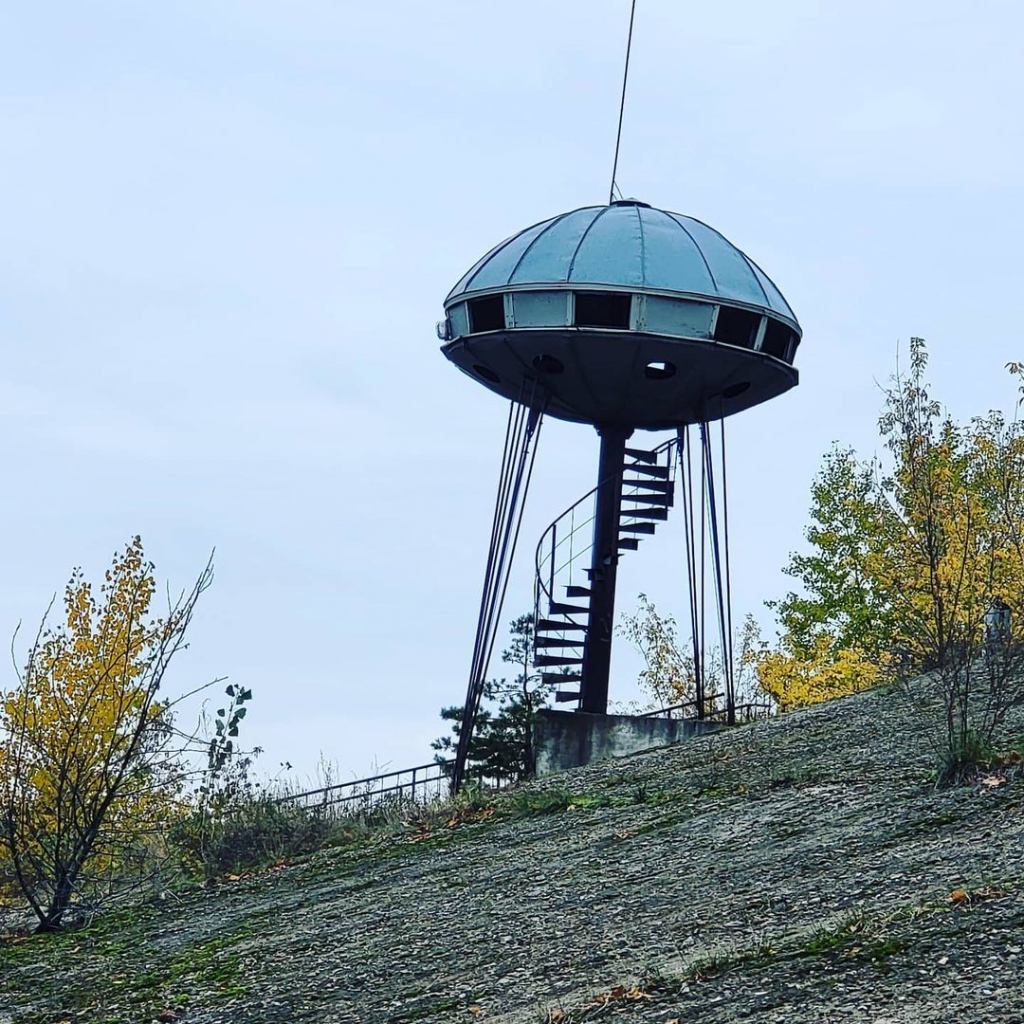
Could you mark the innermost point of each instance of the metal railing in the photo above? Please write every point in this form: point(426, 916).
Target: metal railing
point(744, 712)
point(420, 784)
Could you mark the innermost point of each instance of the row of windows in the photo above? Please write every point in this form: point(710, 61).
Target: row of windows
point(614, 311)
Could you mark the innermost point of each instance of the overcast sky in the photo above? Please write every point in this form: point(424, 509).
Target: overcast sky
point(228, 230)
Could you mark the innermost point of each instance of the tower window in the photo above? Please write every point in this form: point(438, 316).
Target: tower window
point(737, 326)
point(777, 337)
point(603, 309)
point(487, 314)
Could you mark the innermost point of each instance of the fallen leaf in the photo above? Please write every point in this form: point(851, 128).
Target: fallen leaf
point(607, 997)
point(622, 994)
point(959, 896)
point(988, 893)
point(994, 780)
point(624, 834)
point(476, 1009)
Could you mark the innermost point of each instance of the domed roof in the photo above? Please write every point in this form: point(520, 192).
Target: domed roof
point(627, 245)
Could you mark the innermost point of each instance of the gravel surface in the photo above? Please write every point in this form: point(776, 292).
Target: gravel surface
point(803, 869)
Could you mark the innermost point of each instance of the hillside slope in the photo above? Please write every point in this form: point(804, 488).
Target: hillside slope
point(802, 869)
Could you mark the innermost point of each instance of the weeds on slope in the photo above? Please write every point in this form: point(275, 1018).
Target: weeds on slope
point(886, 943)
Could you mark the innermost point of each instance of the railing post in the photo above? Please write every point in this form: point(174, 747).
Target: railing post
point(572, 539)
point(551, 568)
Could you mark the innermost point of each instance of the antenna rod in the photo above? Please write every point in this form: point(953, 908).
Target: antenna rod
point(622, 104)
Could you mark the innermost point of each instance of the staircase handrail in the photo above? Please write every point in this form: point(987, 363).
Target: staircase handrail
point(540, 587)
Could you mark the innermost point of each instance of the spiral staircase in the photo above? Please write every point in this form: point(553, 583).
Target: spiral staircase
point(564, 563)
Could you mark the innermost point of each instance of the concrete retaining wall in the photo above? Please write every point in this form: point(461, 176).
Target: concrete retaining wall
point(568, 739)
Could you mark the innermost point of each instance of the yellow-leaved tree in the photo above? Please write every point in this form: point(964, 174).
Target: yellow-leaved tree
point(798, 678)
point(916, 562)
point(90, 770)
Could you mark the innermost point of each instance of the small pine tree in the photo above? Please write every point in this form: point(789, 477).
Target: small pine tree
point(502, 745)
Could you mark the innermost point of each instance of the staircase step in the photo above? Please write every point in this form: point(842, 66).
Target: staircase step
point(637, 528)
point(542, 660)
point(658, 500)
point(554, 626)
point(561, 696)
point(560, 677)
point(645, 513)
point(661, 472)
point(557, 641)
point(661, 486)
point(640, 455)
point(557, 608)
point(573, 591)
point(628, 543)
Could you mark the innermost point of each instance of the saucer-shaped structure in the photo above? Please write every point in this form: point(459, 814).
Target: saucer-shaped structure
point(623, 315)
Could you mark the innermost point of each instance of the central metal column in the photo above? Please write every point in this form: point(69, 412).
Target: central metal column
point(597, 650)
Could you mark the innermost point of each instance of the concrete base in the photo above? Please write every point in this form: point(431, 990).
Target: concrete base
point(568, 739)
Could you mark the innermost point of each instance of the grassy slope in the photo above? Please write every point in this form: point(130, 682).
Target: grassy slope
point(797, 870)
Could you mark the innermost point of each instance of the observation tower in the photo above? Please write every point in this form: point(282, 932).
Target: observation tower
point(627, 318)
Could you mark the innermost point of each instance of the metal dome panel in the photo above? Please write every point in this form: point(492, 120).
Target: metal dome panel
point(496, 268)
point(551, 254)
point(734, 277)
point(627, 245)
point(612, 251)
point(672, 255)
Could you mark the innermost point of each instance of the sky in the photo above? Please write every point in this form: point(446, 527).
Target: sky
point(228, 229)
